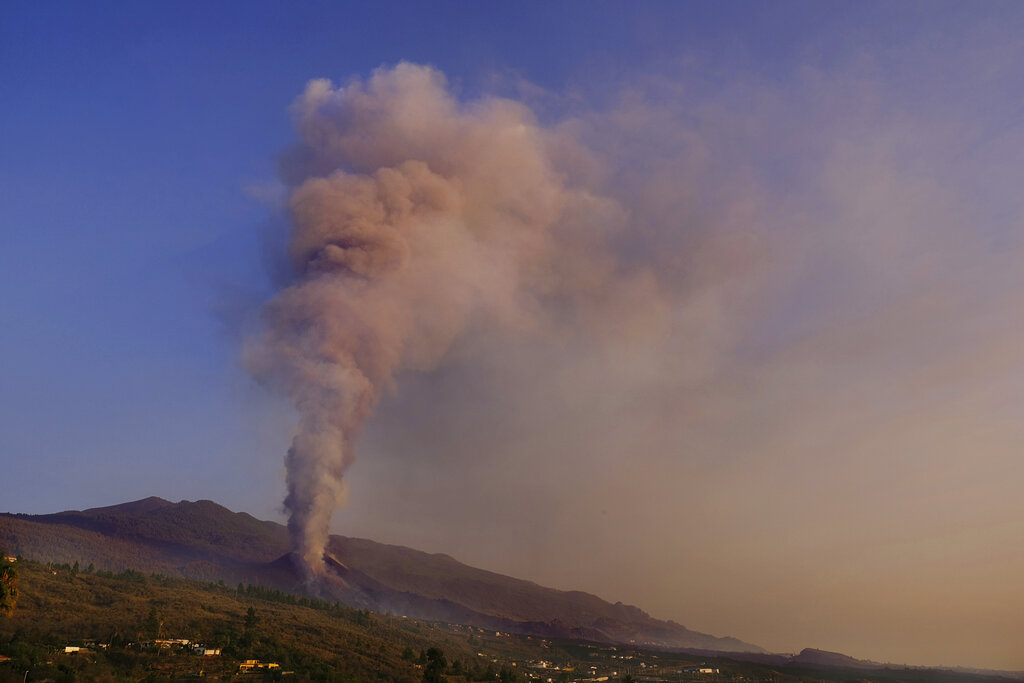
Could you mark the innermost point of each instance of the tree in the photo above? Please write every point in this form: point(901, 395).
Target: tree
point(436, 665)
point(8, 586)
point(116, 640)
point(151, 626)
point(251, 619)
point(507, 675)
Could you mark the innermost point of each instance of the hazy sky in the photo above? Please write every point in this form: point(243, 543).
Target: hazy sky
point(776, 389)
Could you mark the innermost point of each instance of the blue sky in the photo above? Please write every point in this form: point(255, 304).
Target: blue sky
point(826, 195)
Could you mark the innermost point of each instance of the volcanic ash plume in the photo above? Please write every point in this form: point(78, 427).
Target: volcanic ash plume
point(414, 218)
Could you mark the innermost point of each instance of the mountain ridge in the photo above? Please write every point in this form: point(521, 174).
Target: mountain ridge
point(204, 540)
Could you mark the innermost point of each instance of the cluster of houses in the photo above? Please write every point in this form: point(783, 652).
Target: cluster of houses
point(89, 645)
point(182, 643)
point(246, 667)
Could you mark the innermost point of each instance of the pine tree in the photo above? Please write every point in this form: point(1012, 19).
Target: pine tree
point(152, 625)
point(251, 620)
point(433, 672)
point(8, 586)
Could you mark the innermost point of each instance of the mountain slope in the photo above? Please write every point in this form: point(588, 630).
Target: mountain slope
point(206, 541)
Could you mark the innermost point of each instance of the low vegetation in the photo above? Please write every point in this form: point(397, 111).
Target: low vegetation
point(117, 619)
point(77, 624)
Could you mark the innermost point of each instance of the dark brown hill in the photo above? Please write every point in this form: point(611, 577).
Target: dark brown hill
point(204, 540)
point(812, 657)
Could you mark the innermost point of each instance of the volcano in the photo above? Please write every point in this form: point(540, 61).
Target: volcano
point(203, 540)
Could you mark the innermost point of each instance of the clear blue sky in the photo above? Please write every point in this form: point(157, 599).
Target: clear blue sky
point(849, 387)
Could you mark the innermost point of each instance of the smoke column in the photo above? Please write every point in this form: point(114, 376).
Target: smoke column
point(414, 218)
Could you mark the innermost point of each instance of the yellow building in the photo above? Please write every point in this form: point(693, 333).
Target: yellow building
point(251, 665)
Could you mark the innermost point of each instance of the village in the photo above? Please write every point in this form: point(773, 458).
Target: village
point(604, 662)
point(180, 646)
point(580, 662)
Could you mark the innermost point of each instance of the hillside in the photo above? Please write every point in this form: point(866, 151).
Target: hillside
point(62, 606)
point(205, 541)
point(115, 619)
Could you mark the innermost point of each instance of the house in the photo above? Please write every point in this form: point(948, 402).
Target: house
point(702, 669)
point(71, 648)
point(204, 651)
point(167, 642)
point(253, 665)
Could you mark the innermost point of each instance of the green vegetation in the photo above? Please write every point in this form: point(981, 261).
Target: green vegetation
point(8, 586)
point(115, 620)
point(435, 667)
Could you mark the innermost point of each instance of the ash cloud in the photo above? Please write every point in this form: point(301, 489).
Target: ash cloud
point(661, 335)
point(415, 220)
